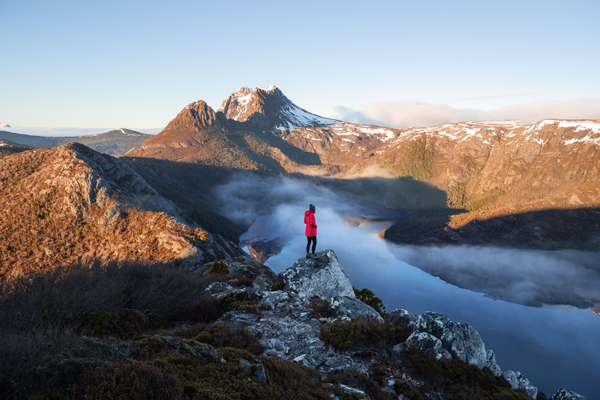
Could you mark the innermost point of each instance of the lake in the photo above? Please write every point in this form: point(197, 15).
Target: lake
point(553, 346)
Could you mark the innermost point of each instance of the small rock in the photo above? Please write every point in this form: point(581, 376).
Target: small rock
point(312, 359)
point(389, 391)
point(260, 373)
point(218, 287)
point(401, 317)
point(350, 390)
point(239, 316)
point(302, 313)
point(245, 364)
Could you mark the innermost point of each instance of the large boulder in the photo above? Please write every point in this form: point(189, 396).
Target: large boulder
point(322, 277)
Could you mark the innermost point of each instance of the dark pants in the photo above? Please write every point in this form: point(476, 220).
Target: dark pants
point(312, 239)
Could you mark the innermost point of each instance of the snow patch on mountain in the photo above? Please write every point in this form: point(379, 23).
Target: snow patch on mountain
point(297, 117)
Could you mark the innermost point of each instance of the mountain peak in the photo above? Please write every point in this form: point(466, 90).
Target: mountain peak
point(194, 116)
point(268, 109)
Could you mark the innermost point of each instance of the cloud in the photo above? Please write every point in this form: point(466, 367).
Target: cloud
point(407, 113)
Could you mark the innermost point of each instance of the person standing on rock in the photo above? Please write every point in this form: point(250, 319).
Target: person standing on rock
point(311, 230)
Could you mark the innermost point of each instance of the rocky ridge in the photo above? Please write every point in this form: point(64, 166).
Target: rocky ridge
point(291, 327)
point(71, 203)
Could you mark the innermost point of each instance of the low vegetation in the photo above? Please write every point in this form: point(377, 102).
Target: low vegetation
point(416, 161)
point(363, 333)
point(458, 379)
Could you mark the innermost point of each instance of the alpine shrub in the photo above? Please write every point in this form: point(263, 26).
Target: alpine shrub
point(363, 332)
point(369, 298)
point(219, 268)
point(128, 381)
point(230, 335)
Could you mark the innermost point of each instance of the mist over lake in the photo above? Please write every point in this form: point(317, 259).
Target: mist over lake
point(523, 303)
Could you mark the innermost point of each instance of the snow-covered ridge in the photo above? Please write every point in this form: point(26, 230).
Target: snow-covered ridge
point(345, 128)
point(296, 117)
point(510, 130)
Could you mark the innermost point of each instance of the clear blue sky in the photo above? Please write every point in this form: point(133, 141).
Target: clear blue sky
point(136, 64)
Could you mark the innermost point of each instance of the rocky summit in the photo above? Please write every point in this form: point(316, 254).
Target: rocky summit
point(322, 276)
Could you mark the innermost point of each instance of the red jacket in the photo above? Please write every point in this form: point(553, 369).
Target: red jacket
point(311, 224)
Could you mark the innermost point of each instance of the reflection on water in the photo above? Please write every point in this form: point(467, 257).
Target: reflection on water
point(553, 346)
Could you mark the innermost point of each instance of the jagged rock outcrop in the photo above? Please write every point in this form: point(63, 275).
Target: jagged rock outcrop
point(518, 381)
point(564, 394)
point(461, 340)
point(290, 327)
point(426, 342)
point(322, 277)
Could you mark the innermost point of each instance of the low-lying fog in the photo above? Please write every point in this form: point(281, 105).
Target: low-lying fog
point(492, 289)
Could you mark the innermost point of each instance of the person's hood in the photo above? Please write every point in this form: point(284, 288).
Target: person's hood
point(308, 212)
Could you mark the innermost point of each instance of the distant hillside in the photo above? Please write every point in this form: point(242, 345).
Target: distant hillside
point(70, 203)
point(115, 142)
point(7, 147)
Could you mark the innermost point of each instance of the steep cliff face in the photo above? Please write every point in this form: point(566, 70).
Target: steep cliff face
point(70, 203)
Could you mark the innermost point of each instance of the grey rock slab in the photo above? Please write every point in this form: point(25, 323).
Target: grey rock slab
point(322, 277)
